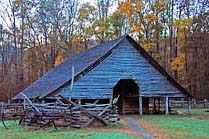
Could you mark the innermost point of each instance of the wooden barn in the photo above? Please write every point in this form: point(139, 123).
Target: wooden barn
point(116, 70)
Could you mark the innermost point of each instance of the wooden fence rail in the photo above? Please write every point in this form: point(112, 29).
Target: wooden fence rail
point(69, 114)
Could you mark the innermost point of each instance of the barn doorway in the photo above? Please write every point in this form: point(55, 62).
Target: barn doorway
point(127, 92)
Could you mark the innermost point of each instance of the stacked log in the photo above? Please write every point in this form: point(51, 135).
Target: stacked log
point(113, 115)
point(75, 116)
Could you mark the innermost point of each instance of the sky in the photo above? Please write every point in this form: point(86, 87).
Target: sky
point(112, 9)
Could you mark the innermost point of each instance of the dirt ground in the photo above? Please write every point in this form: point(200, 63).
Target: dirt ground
point(157, 132)
point(125, 129)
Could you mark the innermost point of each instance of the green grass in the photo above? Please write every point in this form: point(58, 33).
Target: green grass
point(194, 125)
point(16, 132)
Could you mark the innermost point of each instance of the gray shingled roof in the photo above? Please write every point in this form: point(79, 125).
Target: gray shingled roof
point(61, 74)
point(54, 80)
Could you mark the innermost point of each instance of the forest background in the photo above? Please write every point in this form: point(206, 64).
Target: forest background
point(37, 35)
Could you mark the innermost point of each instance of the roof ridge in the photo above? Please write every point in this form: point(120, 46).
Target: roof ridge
point(99, 59)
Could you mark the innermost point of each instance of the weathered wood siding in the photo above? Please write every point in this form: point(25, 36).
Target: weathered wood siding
point(125, 62)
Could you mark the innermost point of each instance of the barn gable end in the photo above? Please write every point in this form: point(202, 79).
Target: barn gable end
point(116, 69)
point(124, 62)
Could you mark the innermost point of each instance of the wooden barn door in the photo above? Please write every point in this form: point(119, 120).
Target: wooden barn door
point(128, 92)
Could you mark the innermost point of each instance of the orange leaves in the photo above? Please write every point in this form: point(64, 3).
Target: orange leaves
point(150, 17)
point(131, 7)
point(158, 6)
point(76, 38)
point(126, 7)
point(136, 27)
point(136, 4)
point(58, 60)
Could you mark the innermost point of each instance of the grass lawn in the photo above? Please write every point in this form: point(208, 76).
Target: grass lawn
point(16, 132)
point(190, 126)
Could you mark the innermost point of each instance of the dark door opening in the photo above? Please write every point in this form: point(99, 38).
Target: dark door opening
point(127, 92)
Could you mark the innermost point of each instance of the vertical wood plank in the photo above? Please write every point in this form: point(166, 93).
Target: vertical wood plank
point(166, 105)
point(140, 106)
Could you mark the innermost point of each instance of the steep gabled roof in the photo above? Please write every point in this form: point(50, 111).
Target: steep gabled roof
point(155, 64)
point(61, 74)
point(83, 63)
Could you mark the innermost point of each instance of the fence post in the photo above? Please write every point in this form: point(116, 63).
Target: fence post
point(189, 105)
point(140, 105)
point(194, 102)
point(205, 103)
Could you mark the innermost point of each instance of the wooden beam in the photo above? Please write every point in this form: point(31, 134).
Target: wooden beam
point(72, 82)
point(30, 102)
point(85, 110)
point(140, 105)
point(166, 105)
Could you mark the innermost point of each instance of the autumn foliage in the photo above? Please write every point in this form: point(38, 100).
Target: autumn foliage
point(39, 35)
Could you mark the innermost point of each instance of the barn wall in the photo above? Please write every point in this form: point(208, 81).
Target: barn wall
point(125, 62)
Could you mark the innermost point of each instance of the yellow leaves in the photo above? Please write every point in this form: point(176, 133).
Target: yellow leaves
point(183, 26)
point(150, 17)
point(182, 23)
point(178, 62)
point(102, 28)
point(58, 60)
point(181, 38)
point(149, 46)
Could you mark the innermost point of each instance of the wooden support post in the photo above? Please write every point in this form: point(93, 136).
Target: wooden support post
point(158, 104)
point(205, 103)
point(140, 105)
point(154, 104)
point(189, 105)
point(24, 104)
point(166, 105)
point(72, 82)
point(182, 102)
